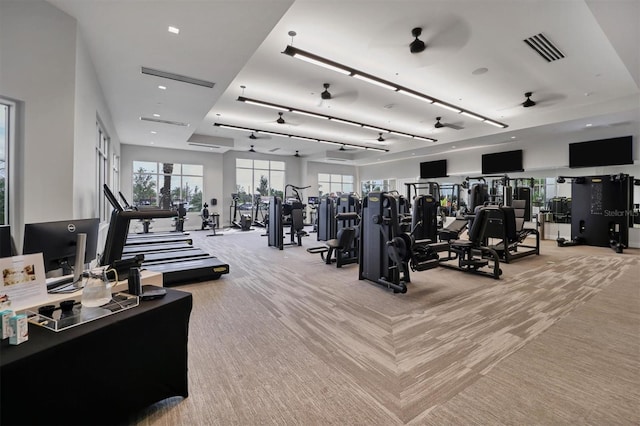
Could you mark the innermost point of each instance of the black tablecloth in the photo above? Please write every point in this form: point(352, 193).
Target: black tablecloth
point(99, 372)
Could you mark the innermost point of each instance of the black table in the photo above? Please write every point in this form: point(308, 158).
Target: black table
point(99, 372)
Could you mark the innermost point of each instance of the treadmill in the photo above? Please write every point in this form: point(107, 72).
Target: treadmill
point(153, 238)
point(176, 269)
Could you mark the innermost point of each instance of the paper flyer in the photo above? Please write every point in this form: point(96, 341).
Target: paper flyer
point(23, 281)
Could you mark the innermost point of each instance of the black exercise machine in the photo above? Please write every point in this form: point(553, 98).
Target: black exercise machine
point(601, 210)
point(472, 254)
point(177, 266)
point(244, 221)
point(343, 249)
point(291, 213)
point(326, 223)
point(385, 249)
point(502, 226)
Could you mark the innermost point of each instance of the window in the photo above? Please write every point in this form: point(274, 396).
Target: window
point(102, 169)
point(6, 119)
point(167, 185)
point(115, 174)
point(334, 183)
point(258, 178)
point(384, 185)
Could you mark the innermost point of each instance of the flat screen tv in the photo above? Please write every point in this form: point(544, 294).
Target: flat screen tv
point(433, 169)
point(601, 152)
point(57, 241)
point(502, 162)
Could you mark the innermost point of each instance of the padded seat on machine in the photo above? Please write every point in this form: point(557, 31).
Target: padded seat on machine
point(340, 245)
point(472, 254)
point(453, 230)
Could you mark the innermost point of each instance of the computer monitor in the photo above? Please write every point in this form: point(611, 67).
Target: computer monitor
point(57, 242)
point(6, 243)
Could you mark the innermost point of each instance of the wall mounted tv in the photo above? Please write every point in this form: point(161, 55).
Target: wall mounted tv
point(433, 169)
point(502, 162)
point(601, 152)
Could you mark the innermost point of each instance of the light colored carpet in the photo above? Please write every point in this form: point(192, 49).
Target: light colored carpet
point(286, 339)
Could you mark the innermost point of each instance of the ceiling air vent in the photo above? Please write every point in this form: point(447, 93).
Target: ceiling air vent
point(177, 77)
point(541, 44)
point(157, 120)
point(204, 145)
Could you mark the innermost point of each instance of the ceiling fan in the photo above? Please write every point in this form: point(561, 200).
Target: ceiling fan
point(528, 102)
point(417, 45)
point(440, 125)
point(253, 136)
point(380, 140)
point(326, 94)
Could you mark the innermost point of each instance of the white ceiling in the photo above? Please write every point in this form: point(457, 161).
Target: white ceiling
point(238, 43)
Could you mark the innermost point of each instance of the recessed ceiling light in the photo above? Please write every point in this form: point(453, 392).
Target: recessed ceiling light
point(589, 125)
point(156, 115)
point(513, 137)
point(151, 143)
point(174, 30)
point(162, 87)
point(153, 132)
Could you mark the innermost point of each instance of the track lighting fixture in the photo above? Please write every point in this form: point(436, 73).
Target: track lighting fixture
point(304, 138)
point(351, 72)
point(251, 149)
point(331, 118)
point(417, 45)
point(280, 120)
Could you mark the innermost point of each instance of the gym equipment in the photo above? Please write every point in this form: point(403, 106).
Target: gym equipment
point(210, 220)
point(244, 221)
point(181, 218)
point(342, 247)
point(346, 222)
point(175, 271)
point(502, 225)
point(259, 208)
point(326, 223)
point(277, 212)
point(385, 250)
point(290, 213)
point(601, 211)
point(472, 254)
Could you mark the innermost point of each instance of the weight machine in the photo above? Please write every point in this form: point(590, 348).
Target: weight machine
point(601, 210)
point(385, 250)
point(346, 222)
point(288, 213)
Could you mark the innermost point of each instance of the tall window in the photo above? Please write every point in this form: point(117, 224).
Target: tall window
point(102, 169)
point(6, 119)
point(115, 173)
point(167, 185)
point(385, 185)
point(333, 183)
point(261, 178)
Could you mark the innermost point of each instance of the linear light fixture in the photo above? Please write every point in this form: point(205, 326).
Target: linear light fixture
point(265, 132)
point(345, 70)
point(329, 117)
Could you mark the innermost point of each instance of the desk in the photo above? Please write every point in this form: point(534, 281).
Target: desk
point(99, 372)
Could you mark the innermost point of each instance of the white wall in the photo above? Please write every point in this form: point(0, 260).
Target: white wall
point(89, 105)
point(46, 68)
point(38, 68)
